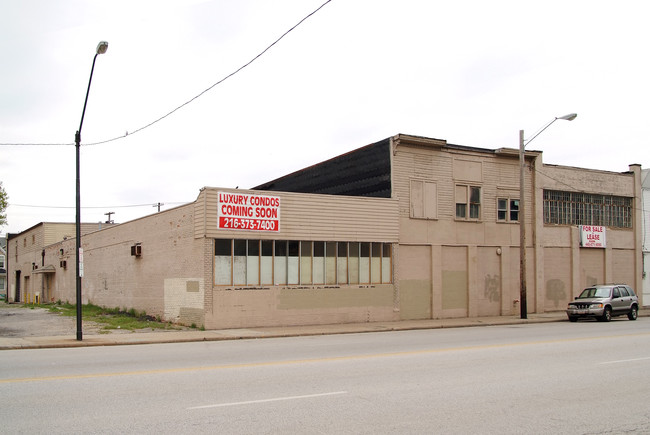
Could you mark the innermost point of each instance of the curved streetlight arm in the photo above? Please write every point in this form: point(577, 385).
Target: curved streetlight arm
point(77, 136)
point(569, 117)
point(101, 49)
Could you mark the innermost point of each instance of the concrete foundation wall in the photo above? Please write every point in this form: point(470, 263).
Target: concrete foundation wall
point(278, 306)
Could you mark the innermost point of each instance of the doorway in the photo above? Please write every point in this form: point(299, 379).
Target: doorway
point(17, 296)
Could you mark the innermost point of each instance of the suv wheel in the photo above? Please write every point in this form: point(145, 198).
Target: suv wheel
point(607, 315)
point(633, 313)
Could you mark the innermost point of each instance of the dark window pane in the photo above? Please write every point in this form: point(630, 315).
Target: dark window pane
point(222, 247)
point(319, 249)
point(294, 248)
point(240, 247)
point(305, 249)
point(475, 195)
point(267, 248)
point(365, 249)
point(343, 249)
point(514, 210)
point(253, 248)
point(376, 250)
point(281, 248)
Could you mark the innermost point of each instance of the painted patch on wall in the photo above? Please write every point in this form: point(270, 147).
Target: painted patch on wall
point(454, 290)
point(182, 294)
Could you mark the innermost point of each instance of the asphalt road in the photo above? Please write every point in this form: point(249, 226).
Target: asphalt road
point(584, 378)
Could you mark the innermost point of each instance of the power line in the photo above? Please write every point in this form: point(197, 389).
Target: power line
point(36, 144)
point(186, 102)
point(94, 207)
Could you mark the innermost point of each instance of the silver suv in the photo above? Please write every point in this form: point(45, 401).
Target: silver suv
point(603, 302)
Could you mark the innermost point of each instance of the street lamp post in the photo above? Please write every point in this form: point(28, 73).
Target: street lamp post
point(101, 49)
point(522, 213)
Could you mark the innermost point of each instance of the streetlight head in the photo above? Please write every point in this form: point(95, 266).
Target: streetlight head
point(102, 47)
point(569, 117)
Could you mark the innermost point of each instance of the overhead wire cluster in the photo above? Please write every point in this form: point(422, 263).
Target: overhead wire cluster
point(256, 57)
point(97, 207)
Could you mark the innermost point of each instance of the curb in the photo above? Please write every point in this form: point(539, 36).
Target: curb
point(58, 342)
point(138, 338)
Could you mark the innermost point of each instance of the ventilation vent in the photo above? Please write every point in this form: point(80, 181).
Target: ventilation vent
point(136, 250)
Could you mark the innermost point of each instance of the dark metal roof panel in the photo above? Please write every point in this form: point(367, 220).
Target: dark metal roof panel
point(362, 172)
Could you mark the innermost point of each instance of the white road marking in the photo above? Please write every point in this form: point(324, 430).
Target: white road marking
point(625, 360)
point(276, 399)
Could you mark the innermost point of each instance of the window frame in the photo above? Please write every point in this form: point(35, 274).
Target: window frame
point(580, 208)
point(465, 201)
point(423, 199)
point(243, 263)
point(508, 210)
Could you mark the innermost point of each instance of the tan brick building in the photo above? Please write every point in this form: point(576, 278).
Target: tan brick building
point(405, 228)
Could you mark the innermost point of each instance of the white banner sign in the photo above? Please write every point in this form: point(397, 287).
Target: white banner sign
point(241, 211)
point(81, 262)
point(593, 236)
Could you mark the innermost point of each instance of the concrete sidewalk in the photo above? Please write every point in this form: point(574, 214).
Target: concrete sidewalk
point(126, 338)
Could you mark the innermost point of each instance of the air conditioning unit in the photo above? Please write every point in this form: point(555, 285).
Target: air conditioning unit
point(63, 264)
point(136, 250)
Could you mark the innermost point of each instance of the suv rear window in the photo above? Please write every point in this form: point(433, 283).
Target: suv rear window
point(594, 292)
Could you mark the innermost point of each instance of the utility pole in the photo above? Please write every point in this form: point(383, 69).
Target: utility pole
point(109, 221)
point(158, 205)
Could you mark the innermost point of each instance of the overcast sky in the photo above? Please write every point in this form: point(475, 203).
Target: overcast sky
point(470, 72)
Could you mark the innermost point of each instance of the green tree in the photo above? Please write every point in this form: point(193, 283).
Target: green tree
point(3, 205)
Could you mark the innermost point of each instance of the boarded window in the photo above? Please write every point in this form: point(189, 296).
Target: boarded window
point(293, 262)
point(223, 262)
point(266, 262)
point(319, 262)
point(253, 263)
point(330, 263)
point(305, 262)
point(239, 262)
point(364, 263)
point(342, 263)
point(386, 267)
point(424, 199)
point(280, 262)
point(353, 262)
